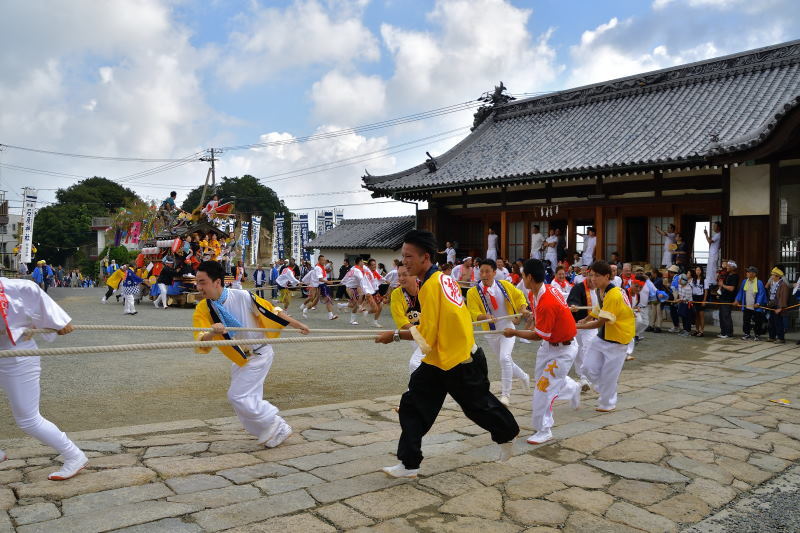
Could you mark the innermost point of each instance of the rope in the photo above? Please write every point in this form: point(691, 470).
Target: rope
point(495, 319)
point(177, 345)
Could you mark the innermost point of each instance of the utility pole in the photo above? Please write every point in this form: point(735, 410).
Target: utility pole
point(211, 174)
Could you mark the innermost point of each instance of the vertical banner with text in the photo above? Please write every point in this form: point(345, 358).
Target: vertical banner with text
point(278, 248)
point(306, 254)
point(256, 231)
point(296, 237)
point(245, 240)
point(28, 212)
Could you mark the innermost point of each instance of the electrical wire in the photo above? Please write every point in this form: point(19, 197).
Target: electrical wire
point(86, 156)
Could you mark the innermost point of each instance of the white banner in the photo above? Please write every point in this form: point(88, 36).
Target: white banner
point(296, 251)
point(256, 233)
point(28, 212)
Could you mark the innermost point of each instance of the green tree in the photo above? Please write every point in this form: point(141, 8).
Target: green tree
point(59, 229)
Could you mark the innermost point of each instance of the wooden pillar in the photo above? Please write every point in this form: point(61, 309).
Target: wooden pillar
point(503, 234)
point(620, 215)
point(599, 250)
point(774, 215)
point(727, 236)
point(658, 182)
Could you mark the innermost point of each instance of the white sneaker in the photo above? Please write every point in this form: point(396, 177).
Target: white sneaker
point(399, 470)
point(540, 436)
point(353, 323)
point(103, 300)
point(284, 432)
point(506, 451)
point(376, 324)
point(674, 330)
point(504, 400)
point(331, 316)
point(3, 456)
point(305, 313)
point(527, 382)
point(70, 468)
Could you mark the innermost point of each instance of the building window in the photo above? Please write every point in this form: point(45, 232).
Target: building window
point(3, 229)
point(610, 236)
point(516, 241)
point(655, 244)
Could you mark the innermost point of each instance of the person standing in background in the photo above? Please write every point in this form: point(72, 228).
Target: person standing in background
point(589, 243)
point(491, 249)
point(714, 241)
point(537, 241)
point(777, 299)
point(669, 241)
point(728, 285)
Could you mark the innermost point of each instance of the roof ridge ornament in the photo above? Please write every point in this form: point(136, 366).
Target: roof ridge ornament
point(491, 100)
point(431, 163)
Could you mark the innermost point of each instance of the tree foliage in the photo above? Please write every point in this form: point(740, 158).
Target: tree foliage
point(248, 194)
point(59, 229)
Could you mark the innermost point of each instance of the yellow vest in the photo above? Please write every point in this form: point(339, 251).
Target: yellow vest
point(476, 307)
point(399, 308)
point(116, 278)
point(623, 330)
point(445, 323)
point(202, 319)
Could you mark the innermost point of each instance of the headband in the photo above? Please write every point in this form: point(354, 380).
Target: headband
point(635, 281)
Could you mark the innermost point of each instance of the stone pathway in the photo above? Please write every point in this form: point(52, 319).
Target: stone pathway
point(688, 437)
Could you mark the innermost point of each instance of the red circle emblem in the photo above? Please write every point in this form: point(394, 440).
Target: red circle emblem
point(451, 289)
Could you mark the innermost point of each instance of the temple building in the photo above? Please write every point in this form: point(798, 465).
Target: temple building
point(716, 140)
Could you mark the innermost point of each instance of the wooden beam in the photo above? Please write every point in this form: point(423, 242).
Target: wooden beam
point(658, 182)
point(774, 214)
point(620, 233)
point(727, 234)
point(571, 231)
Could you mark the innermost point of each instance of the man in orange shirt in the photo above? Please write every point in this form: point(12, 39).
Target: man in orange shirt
point(556, 329)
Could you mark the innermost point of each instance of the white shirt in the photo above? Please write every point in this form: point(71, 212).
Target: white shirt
point(579, 278)
point(391, 279)
point(314, 277)
point(29, 307)
point(537, 239)
point(356, 279)
point(617, 281)
point(551, 250)
point(669, 240)
point(375, 279)
point(565, 289)
point(457, 270)
point(240, 304)
point(287, 278)
point(588, 246)
point(502, 305)
point(492, 241)
point(501, 274)
point(713, 247)
point(450, 253)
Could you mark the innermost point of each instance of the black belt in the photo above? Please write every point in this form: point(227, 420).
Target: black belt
point(565, 343)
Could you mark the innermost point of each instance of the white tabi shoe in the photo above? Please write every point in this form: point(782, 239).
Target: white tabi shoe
point(331, 316)
point(504, 400)
point(527, 382)
point(284, 432)
point(305, 313)
point(70, 468)
point(3, 456)
point(506, 451)
point(270, 432)
point(540, 437)
point(103, 300)
point(400, 471)
point(575, 401)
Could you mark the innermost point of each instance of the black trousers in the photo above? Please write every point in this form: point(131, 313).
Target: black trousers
point(109, 292)
point(748, 317)
point(468, 384)
point(725, 320)
point(775, 325)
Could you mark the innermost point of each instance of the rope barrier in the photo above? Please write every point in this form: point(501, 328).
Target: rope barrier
point(177, 345)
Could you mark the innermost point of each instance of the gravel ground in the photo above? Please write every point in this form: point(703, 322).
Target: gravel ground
point(107, 390)
point(775, 506)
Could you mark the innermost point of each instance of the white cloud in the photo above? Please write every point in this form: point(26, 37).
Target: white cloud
point(306, 33)
point(348, 99)
point(106, 74)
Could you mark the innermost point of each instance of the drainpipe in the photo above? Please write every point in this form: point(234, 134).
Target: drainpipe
point(416, 208)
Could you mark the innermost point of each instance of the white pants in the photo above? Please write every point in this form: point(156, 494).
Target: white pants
point(584, 339)
point(246, 394)
point(162, 295)
point(491, 254)
point(552, 257)
point(502, 347)
point(129, 307)
point(19, 378)
point(641, 319)
point(552, 365)
point(603, 364)
point(416, 359)
point(586, 260)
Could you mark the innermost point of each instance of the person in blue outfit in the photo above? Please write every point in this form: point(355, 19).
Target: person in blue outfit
point(752, 296)
point(130, 290)
point(42, 275)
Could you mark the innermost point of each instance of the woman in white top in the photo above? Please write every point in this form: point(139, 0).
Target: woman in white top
point(550, 248)
point(669, 240)
point(491, 251)
point(589, 242)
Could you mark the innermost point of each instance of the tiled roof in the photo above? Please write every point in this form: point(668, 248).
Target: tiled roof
point(669, 117)
point(366, 233)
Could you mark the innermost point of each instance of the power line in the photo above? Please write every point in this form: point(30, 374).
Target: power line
point(86, 156)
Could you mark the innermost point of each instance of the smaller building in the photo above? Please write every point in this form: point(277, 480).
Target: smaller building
point(377, 238)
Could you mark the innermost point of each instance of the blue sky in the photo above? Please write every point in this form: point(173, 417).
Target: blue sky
point(167, 78)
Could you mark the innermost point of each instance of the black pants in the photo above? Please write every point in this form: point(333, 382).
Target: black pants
point(341, 292)
point(673, 314)
point(260, 292)
point(750, 316)
point(468, 384)
point(725, 320)
point(775, 325)
point(109, 292)
point(687, 316)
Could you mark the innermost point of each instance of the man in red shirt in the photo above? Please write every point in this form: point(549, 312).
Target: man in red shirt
point(555, 327)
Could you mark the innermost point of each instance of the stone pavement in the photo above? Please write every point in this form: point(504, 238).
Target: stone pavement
point(689, 436)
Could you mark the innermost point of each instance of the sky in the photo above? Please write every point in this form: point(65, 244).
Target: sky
point(164, 80)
